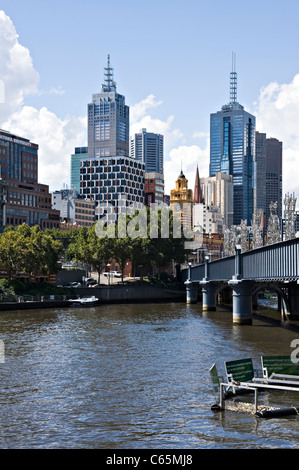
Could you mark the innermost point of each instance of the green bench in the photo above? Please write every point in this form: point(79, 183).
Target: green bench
point(241, 375)
point(280, 368)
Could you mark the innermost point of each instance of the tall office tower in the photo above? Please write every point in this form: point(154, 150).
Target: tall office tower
point(232, 151)
point(260, 155)
point(269, 174)
point(273, 175)
point(148, 148)
point(27, 200)
point(108, 121)
point(81, 153)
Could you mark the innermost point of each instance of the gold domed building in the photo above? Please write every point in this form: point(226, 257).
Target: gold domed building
point(181, 201)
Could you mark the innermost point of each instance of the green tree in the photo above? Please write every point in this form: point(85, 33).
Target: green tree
point(90, 249)
point(25, 249)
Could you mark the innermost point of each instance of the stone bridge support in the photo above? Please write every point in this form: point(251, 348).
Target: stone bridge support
point(191, 292)
point(242, 301)
point(242, 294)
point(209, 295)
point(191, 289)
point(293, 298)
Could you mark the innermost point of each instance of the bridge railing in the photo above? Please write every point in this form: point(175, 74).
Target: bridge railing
point(279, 261)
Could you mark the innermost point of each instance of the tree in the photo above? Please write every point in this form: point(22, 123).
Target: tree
point(91, 249)
point(25, 249)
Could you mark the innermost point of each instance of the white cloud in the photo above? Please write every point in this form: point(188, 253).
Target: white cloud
point(140, 118)
point(16, 69)
point(186, 158)
point(56, 137)
point(277, 113)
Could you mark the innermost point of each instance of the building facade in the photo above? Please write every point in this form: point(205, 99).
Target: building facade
point(153, 188)
point(81, 153)
point(232, 151)
point(148, 148)
point(218, 191)
point(115, 182)
point(207, 219)
point(108, 121)
point(181, 201)
point(73, 208)
point(268, 175)
point(27, 200)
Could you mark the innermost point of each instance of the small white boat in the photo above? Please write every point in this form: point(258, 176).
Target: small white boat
point(84, 301)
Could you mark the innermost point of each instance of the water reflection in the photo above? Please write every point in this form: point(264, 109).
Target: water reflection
point(130, 376)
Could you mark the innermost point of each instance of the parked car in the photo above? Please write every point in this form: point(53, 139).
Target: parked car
point(74, 284)
point(90, 282)
point(113, 273)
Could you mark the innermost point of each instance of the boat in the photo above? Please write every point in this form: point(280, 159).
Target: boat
point(84, 301)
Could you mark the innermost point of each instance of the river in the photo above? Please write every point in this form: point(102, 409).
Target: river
point(132, 377)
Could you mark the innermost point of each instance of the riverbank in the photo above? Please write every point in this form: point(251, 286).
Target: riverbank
point(117, 294)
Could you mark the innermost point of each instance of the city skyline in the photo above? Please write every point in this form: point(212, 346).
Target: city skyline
point(51, 63)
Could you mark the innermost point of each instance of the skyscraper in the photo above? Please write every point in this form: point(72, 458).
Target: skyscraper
point(27, 200)
point(108, 120)
point(232, 151)
point(148, 148)
point(268, 174)
point(81, 153)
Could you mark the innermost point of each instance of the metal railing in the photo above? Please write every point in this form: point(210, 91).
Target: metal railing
point(277, 262)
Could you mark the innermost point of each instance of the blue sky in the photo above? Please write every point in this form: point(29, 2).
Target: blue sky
point(171, 60)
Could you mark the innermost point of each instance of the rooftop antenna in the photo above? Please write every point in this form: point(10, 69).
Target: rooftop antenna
point(233, 81)
point(108, 76)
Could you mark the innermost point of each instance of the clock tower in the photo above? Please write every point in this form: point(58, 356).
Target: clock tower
point(181, 201)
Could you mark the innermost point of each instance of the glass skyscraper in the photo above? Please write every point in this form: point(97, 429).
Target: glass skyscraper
point(108, 121)
point(232, 151)
point(148, 148)
point(81, 153)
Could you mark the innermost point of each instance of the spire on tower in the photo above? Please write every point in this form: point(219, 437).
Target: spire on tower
point(109, 84)
point(233, 81)
point(197, 197)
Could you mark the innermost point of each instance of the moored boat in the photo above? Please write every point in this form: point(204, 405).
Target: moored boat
point(84, 301)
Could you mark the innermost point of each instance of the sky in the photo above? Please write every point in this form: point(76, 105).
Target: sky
point(172, 61)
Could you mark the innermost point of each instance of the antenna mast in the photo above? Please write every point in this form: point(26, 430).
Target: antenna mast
point(233, 81)
point(108, 76)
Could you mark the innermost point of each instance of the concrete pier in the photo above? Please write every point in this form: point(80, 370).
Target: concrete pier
point(209, 290)
point(242, 302)
point(191, 292)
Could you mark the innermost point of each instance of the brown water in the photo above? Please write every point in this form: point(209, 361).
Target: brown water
point(132, 376)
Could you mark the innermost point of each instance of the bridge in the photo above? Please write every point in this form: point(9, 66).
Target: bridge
point(273, 266)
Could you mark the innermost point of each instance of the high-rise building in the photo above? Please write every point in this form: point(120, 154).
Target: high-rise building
point(217, 191)
point(232, 151)
point(27, 200)
point(81, 153)
point(148, 148)
point(108, 120)
point(114, 183)
point(268, 174)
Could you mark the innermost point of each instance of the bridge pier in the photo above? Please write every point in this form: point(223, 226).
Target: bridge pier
point(209, 290)
point(191, 292)
point(293, 297)
point(242, 301)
